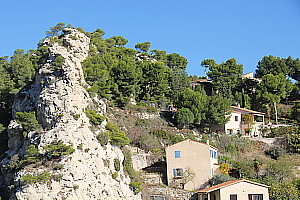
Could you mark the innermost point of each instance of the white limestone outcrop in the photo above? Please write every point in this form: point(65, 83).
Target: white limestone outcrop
point(59, 98)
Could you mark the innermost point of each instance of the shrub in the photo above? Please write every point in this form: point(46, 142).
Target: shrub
point(151, 109)
point(76, 116)
point(103, 137)
point(218, 179)
point(55, 39)
point(114, 175)
point(95, 118)
point(136, 186)
point(57, 167)
point(162, 134)
point(29, 179)
point(275, 151)
point(28, 121)
point(147, 142)
point(117, 164)
point(111, 127)
point(15, 162)
point(127, 164)
point(141, 122)
point(80, 146)
point(58, 63)
point(177, 138)
point(119, 138)
point(32, 154)
point(57, 149)
point(57, 177)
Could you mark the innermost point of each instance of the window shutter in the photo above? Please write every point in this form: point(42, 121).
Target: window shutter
point(177, 154)
point(181, 171)
point(175, 172)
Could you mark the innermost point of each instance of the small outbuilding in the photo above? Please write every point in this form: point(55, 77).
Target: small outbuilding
point(234, 190)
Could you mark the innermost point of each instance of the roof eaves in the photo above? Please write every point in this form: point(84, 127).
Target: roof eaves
point(228, 183)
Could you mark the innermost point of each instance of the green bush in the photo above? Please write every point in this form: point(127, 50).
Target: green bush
point(79, 146)
point(141, 122)
point(177, 138)
point(119, 138)
point(28, 121)
point(95, 118)
point(32, 155)
point(275, 151)
point(57, 149)
point(114, 135)
point(103, 137)
point(114, 175)
point(117, 164)
point(136, 186)
point(111, 127)
point(55, 39)
point(58, 63)
point(151, 109)
point(42, 178)
point(162, 134)
point(76, 116)
point(148, 142)
point(57, 167)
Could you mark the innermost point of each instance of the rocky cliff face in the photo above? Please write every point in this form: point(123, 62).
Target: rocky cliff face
point(60, 100)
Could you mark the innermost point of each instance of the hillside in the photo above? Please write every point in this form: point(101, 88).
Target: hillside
point(83, 117)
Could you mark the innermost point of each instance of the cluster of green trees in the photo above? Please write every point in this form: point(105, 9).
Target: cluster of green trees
point(120, 74)
point(264, 95)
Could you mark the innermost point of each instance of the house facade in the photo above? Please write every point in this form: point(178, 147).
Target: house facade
point(234, 190)
point(236, 125)
point(190, 157)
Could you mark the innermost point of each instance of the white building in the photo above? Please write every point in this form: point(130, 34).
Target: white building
point(236, 125)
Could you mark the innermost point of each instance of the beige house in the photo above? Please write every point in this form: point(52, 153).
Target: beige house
point(235, 190)
point(190, 157)
point(236, 125)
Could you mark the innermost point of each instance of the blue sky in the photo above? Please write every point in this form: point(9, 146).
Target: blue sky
point(196, 29)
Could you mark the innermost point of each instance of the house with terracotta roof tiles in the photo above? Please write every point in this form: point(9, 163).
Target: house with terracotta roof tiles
point(190, 164)
point(235, 190)
point(236, 125)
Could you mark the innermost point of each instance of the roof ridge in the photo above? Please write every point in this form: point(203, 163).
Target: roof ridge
point(194, 141)
point(229, 183)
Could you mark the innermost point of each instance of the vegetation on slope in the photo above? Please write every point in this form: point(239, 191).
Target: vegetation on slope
point(153, 79)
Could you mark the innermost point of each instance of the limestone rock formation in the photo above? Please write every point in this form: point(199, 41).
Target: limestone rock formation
point(60, 100)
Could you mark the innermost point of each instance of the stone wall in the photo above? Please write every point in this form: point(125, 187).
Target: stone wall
point(169, 193)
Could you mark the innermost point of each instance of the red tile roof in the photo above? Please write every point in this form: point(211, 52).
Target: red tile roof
point(228, 183)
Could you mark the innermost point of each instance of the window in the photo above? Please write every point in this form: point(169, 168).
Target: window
point(255, 196)
point(213, 154)
point(233, 197)
point(178, 172)
point(236, 118)
point(258, 118)
point(177, 154)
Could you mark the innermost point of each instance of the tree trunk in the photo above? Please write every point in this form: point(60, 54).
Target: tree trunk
point(276, 117)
